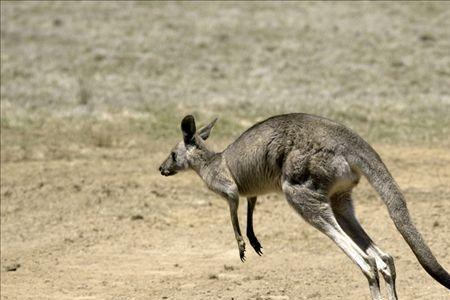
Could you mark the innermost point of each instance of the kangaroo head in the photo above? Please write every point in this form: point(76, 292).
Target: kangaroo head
point(191, 151)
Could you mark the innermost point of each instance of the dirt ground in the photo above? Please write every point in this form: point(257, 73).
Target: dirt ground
point(116, 229)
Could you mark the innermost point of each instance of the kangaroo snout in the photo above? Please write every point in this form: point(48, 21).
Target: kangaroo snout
point(166, 172)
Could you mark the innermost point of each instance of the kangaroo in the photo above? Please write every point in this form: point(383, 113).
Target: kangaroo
point(316, 163)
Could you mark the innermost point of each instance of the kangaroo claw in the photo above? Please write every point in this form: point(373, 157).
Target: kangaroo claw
point(258, 250)
point(257, 246)
point(242, 255)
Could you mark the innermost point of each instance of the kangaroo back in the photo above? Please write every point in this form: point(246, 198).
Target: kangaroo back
point(379, 177)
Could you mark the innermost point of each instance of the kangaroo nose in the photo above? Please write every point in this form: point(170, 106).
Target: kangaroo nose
point(160, 169)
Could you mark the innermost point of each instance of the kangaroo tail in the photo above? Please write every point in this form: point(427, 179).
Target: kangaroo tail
point(379, 177)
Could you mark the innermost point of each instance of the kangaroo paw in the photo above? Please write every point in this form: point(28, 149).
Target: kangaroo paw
point(256, 245)
point(242, 252)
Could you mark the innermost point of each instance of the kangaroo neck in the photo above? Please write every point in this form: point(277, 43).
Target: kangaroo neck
point(203, 162)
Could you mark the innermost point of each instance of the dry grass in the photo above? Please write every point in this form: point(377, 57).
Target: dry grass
point(381, 68)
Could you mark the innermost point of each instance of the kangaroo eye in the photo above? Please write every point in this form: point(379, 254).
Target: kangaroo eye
point(174, 156)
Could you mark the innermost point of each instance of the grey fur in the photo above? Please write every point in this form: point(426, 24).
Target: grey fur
point(316, 163)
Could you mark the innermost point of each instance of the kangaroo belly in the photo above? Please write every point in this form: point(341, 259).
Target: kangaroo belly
point(258, 181)
point(259, 188)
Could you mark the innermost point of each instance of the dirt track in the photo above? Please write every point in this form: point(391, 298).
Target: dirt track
point(116, 229)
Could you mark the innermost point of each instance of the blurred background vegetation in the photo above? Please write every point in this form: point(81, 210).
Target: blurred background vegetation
point(83, 79)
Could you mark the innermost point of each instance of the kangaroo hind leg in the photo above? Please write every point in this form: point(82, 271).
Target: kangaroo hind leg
point(314, 206)
point(342, 206)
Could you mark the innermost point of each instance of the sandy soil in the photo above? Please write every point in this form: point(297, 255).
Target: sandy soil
point(113, 228)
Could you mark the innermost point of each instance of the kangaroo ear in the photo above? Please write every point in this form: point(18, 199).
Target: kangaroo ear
point(206, 130)
point(188, 129)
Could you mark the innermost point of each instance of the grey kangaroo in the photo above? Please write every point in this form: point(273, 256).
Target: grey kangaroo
point(316, 163)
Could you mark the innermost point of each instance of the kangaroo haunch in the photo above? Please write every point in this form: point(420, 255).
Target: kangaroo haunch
point(316, 163)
